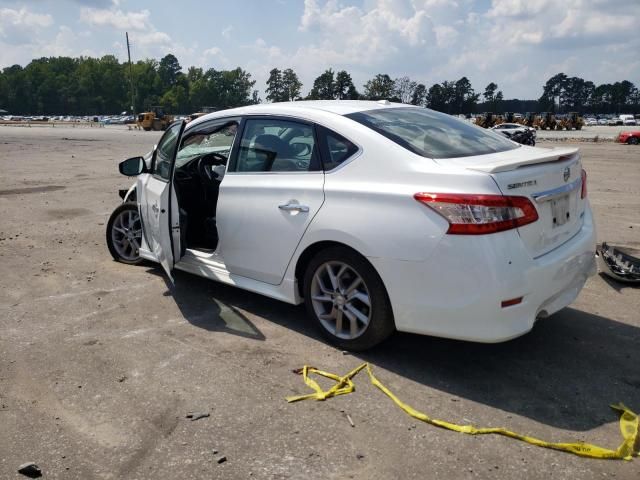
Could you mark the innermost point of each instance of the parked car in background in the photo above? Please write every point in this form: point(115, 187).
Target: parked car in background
point(631, 137)
point(377, 216)
point(628, 119)
point(590, 122)
point(512, 128)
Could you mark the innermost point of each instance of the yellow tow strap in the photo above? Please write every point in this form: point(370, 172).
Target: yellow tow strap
point(344, 385)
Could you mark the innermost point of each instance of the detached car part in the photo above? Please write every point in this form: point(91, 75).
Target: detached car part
point(617, 263)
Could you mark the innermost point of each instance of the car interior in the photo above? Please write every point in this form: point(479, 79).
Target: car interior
point(265, 146)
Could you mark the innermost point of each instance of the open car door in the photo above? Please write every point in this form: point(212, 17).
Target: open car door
point(158, 203)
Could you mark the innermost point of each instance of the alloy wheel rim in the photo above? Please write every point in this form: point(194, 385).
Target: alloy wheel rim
point(341, 300)
point(126, 234)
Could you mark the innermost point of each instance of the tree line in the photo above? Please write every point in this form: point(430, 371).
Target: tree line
point(87, 86)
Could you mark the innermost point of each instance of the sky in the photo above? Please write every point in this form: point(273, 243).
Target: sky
point(518, 44)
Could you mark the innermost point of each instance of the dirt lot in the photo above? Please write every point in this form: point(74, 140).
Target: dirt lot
point(100, 362)
point(603, 132)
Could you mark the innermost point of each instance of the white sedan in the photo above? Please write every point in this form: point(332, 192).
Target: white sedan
point(512, 128)
point(378, 216)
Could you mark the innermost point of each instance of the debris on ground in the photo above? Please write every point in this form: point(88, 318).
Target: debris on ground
point(618, 263)
point(350, 420)
point(222, 459)
point(30, 470)
point(197, 415)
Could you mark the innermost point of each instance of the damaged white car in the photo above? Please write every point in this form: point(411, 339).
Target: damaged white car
point(377, 216)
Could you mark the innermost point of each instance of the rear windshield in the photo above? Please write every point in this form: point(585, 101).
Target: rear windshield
point(432, 134)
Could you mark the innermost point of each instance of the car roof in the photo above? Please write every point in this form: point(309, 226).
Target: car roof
point(304, 108)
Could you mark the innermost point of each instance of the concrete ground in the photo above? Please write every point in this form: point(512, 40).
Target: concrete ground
point(100, 362)
point(603, 132)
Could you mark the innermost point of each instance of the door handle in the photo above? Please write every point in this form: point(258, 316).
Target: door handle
point(293, 207)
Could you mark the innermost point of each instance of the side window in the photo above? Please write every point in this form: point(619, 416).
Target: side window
point(165, 152)
point(217, 138)
point(336, 149)
point(272, 145)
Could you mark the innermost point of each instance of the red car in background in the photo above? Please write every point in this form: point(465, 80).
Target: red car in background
point(630, 137)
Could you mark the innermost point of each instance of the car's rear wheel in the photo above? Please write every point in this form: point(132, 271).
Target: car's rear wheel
point(633, 141)
point(124, 234)
point(347, 299)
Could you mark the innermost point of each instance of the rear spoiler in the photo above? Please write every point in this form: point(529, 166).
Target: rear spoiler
point(504, 163)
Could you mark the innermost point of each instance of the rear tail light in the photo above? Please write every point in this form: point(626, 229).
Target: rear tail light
point(583, 193)
point(480, 214)
point(511, 303)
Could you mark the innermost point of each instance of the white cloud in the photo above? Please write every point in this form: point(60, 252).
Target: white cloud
point(226, 31)
point(66, 44)
point(116, 18)
point(19, 26)
point(518, 8)
point(155, 39)
point(213, 51)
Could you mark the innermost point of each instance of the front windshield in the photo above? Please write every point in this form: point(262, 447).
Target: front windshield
point(432, 134)
point(219, 141)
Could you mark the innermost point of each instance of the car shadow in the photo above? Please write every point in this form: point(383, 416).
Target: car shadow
point(616, 285)
point(201, 305)
point(564, 373)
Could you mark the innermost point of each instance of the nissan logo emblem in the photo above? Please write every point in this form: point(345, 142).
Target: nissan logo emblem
point(566, 174)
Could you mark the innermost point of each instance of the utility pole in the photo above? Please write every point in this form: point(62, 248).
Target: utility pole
point(130, 74)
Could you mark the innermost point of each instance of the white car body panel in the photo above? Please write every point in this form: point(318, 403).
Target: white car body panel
point(251, 220)
point(154, 202)
point(438, 284)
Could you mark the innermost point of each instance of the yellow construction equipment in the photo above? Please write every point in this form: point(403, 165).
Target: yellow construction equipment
point(528, 119)
point(486, 120)
point(570, 121)
point(546, 120)
point(154, 119)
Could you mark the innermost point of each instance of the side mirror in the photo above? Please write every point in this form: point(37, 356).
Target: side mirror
point(218, 172)
point(132, 166)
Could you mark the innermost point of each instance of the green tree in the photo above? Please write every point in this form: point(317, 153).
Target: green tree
point(323, 87)
point(169, 70)
point(465, 98)
point(344, 89)
point(419, 96)
point(275, 88)
point(492, 96)
point(552, 90)
point(291, 85)
point(147, 84)
point(381, 87)
point(404, 88)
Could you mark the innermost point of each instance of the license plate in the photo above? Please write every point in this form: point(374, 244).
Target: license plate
point(560, 211)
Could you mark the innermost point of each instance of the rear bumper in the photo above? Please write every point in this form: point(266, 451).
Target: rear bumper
point(457, 293)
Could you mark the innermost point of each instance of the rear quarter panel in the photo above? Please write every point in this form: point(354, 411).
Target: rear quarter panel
point(369, 202)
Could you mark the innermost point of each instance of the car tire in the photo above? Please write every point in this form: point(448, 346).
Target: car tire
point(123, 228)
point(633, 141)
point(325, 297)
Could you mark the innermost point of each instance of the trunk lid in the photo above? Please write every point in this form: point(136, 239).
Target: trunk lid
point(550, 178)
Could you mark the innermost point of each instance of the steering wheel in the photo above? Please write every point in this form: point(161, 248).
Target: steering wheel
point(205, 164)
